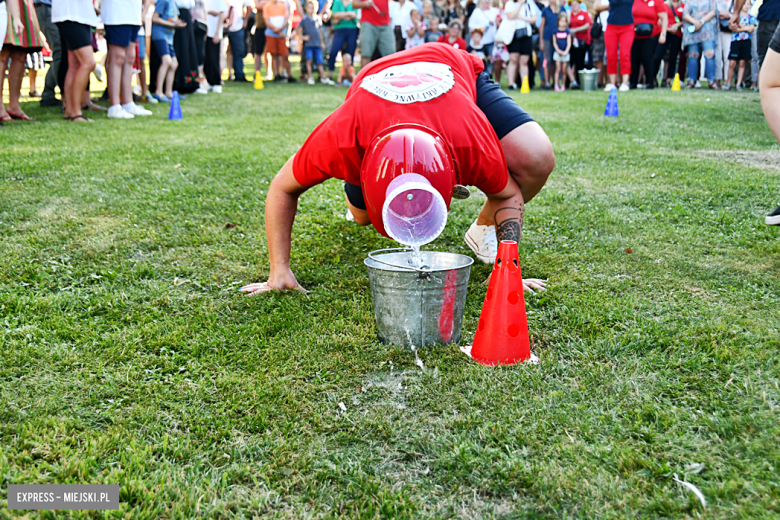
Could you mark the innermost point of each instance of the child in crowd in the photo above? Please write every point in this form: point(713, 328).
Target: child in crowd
point(415, 30)
point(435, 30)
point(476, 47)
point(164, 23)
point(309, 32)
point(427, 13)
point(500, 57)
point(741, 48)
point(561, 57)
point(347, 72)
point(277, 17)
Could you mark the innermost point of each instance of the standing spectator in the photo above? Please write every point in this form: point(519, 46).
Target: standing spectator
point(16, 46)
point(258, 45)
point(618, 40)
point(415, 30)
point(33, 63)
point(477, 48)
point(650, 23)
point(453, 37)
point(598, 51)
point(699, 34)
point(237, 21)
point(580, 30)
point(523, 15)
point(723, 41)
point(434, 30)
point(547, 29)
point(187, 74)
point(401, 20)
point(453, 11)
point(49, 30)
point(484, 17)
point(10, 22)
point(345, 31)
point(75, 20)
point(217, 13)
point(562, 44)
point(739, 53)
point(376, 33)
point(440, 10)
point(312, 44)
point(199, 30)
point(768, 21)
point(164, 23)
point(277, 19)
point(770, 96)
point(674, 14)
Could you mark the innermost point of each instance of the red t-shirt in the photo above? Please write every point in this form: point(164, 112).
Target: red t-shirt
point(460, 43)
point(578, 20)
point(647, 12)
point(432, 85)
point(379, 15)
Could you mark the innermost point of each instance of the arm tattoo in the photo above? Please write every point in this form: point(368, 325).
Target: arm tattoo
point(511, 228)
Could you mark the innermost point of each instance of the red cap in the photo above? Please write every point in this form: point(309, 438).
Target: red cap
point(401, 149)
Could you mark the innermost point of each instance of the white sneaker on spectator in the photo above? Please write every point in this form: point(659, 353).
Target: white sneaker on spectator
point(483, 241)
point(609, 87)
point(217, 89)
point(98, 72)
point(698, 84)
point(134, 109)
point(624, 87)
point(117, 112)
point(327, 81)
point(310, 81)
point(202, 90)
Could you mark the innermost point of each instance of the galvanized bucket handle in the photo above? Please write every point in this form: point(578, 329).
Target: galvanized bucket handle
point(424, 269)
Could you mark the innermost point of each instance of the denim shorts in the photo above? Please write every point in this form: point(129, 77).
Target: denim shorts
point(142, 47)
point(122, 35)
point(163, 48)
point(313, 54)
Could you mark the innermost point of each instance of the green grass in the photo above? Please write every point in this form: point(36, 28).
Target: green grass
point(127, 355)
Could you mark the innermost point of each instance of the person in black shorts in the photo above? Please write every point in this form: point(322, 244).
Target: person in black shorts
point(77, 39)
point(769, 80)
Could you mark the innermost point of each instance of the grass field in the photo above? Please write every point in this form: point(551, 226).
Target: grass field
point(128, 357)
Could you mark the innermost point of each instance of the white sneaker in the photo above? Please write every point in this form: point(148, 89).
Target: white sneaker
point(117, 112)
point(483, 241)
point(98, 72)
point(202, 90)
point(134, 109)
point(624, 87)
point(349, 216)
point(310, 81)
point(327, 81)
point(609, 87)
point(697, 84)
point(217, 89)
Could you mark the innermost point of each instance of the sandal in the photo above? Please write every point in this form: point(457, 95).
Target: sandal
point(5, 118)
point(22, 116)
point(92, 106)
point(79, 118)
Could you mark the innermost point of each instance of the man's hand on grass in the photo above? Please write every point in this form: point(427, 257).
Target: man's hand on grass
point(276, 282)
point(530, 285)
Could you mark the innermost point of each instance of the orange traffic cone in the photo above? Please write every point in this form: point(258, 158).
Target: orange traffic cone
point(502, 333)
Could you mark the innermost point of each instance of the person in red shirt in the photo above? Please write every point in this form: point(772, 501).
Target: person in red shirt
point(376, 33)
point(452, 125)
point(650, 26)
point(453, 37)
point(580, 31)
point(673, 44)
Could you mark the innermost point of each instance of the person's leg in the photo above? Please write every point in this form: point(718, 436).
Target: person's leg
point(511, 70)
point(4, 56)
point(611, 39)
point(356, 204)
point(648, 53)
point(548, 61)
point(339, 37)
point(239, 52)
point(309, 69)
point(385, 42)
point(720, 64)
point(126, 92)
point(557, 75)
point(524, 67)
point(162, 74)
point(32, 75)
point(730, 76)
point(636, 61)
point(660, 54)
point(693, 69)
point(52, 34)
point(709, 60)
point(765, 31)
point(754, 59)
point(15, 77)
point(81, 66)
point(368, 42)
point(741, 73)
point(626, 41)
point(675, 42)
point(171, 77)
point(115, 70)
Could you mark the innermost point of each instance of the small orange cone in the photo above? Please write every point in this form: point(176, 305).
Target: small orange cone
point(502, 333)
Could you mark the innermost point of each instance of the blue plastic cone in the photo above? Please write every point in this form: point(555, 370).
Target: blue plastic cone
point(175, 112)
point(612, 104)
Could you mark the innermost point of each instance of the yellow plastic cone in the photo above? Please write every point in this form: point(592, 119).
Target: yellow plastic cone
point(525, 89)
point(259, 81)
point(676, 83)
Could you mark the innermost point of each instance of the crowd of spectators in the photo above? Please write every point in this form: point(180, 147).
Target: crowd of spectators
point(189, 44)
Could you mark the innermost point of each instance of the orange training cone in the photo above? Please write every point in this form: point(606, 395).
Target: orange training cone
point(502, 333)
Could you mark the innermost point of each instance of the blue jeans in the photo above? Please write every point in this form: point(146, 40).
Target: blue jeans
point(238, 48)
point(340, 37)
point(313, 54)
point(695, 50)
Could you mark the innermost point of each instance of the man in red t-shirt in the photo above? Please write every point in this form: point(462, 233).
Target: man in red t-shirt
point(432, 93)
point(376, 33)
point(580, 30)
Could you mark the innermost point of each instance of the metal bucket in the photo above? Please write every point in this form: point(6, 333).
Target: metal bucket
point(416, 307)
point(588, 79)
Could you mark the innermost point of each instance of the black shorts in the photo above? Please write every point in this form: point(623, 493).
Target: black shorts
point(355, 195)
point(522, 45)
point(741, 50)
point(258, 41)
point(775, 43)
point(75, 35)
point(502, 112)
point(121, 35)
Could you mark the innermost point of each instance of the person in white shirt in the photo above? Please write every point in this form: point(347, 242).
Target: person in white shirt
point(237, 20)
point(217, 13)
point(484, 17)
point(122, 20)
point(75, 19)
